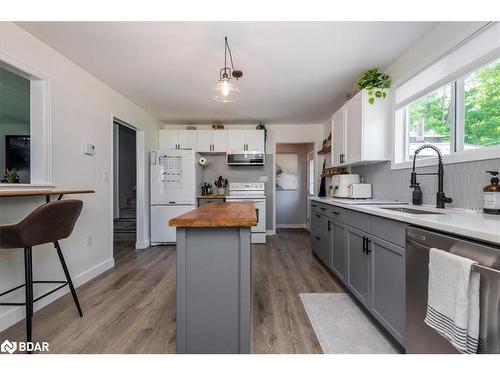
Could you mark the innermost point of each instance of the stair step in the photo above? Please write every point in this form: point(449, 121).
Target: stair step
point(125, 225)
point(131, 202)
point(117, 236)
point(128, 212)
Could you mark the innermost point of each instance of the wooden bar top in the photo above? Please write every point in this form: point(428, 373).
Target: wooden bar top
point(41, 193)
point(218, 215)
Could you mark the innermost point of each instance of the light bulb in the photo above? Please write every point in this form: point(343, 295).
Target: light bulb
point(225, 91)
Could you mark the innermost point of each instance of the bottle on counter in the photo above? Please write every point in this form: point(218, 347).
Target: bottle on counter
point(491, 195)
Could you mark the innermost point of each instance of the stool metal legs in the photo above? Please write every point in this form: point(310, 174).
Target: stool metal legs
point(28, 276)
point(68, 278)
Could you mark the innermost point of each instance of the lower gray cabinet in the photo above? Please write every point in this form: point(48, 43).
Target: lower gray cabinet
point(338, 264)
point(358, 261)
point(321, 237)
point(388, 286)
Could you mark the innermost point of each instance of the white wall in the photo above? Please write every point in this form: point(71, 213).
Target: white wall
point(82, 110)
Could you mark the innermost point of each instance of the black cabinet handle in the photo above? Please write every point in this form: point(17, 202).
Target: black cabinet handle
point(368, 251)
point(364, 244)
point(317, 238)
point(318, 216)
point(329, 225)
point(335, 213)
point(322, 208)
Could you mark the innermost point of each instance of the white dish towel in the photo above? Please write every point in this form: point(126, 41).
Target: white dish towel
point(453, 299)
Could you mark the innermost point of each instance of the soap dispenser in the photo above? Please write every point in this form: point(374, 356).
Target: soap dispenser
point(491, 195)
point(417, 195)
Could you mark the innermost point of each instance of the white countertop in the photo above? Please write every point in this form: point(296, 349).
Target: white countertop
point(465, 223)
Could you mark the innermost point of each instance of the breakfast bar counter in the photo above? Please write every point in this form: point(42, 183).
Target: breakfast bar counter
point(214, 278)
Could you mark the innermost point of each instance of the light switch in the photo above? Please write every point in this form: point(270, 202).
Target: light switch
point(88, 149)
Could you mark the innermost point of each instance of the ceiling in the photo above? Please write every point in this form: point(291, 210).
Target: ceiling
point(294, 72)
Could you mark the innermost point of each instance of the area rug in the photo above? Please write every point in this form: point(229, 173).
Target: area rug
point(342, 327)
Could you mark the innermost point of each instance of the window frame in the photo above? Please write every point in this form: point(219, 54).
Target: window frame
point(40, 122)
point(457, 153)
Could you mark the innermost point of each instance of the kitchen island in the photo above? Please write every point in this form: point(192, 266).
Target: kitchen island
point(213, 278)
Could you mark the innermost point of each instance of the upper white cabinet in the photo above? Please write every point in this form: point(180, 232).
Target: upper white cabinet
point(212, 141)
point(361, 131)
point(245, 140)
point(338, 134)
point(177, 139)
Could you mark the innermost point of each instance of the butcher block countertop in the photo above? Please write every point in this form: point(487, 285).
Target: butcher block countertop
point(218, 215)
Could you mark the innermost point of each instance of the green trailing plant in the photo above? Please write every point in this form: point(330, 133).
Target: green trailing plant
point(11, 177)
point(375, 83)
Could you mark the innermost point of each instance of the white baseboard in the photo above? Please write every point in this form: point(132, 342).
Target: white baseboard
point(270, 232)
point(139, 245)
point(17, 314)
point(290, 226)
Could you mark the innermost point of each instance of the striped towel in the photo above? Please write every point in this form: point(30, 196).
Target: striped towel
point(453, 300)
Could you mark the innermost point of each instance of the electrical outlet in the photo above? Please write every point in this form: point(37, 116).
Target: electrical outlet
point(106, 175)
point(89, 240)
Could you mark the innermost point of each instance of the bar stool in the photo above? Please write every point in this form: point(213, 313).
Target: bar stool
point(49, 223)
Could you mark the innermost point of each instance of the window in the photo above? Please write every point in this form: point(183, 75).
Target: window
point(457, 117)
point(481, 107)
point(14, 128)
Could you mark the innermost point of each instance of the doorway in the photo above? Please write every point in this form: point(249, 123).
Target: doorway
point(124, 183)
point(292, 183)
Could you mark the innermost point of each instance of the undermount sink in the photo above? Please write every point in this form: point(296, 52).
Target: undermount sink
point(411, 211)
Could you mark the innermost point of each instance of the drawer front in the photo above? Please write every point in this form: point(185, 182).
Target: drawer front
point(336, 213)
point(358, 220)
point(316, 222)
point(321, 248)
point(389, 230)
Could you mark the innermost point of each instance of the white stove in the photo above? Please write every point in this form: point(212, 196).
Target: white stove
point(251, 192)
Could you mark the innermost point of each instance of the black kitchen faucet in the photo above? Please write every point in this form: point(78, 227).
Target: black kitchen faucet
point(441, 197)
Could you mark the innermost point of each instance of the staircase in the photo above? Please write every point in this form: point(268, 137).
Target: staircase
point(125, 225)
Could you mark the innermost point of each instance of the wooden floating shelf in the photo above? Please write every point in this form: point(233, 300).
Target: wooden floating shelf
point(325, 150)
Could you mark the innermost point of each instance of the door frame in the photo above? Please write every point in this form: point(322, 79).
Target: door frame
point(142, 235)
point(308, 158)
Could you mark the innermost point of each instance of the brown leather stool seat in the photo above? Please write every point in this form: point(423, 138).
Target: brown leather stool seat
point(49, 223)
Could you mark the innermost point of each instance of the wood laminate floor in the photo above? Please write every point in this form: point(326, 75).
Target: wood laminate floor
point(131, 308)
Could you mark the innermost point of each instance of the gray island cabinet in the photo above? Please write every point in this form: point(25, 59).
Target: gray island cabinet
point(214, 278)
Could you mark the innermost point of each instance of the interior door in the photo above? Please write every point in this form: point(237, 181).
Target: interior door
point(255, 140)
point(187, 139)
point(204, 141)
point(236, 140)
point(168, 139)
point(353, 129)
point(219, 140)
point(338, 134)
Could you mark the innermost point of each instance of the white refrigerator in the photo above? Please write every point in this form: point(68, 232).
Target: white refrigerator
point(173, 190)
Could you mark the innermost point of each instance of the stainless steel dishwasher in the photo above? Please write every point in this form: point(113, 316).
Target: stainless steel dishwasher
point(420, 338)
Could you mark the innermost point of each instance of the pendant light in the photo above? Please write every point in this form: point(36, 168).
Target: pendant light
point(226, 90)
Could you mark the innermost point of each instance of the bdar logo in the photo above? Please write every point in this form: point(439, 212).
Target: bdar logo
point(8, 347)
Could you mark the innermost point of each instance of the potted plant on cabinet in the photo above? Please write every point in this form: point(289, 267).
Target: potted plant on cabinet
point(376, 83)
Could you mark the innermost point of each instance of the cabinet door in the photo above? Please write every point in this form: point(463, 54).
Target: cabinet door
point(204, 141)
point(388, 286)
point(353, 129)
point(219, 142)
point(358, 275)
point(338, 249)
point(187, 139)
point(168, 139)
point(255, 140)
point(338, 134)
point(236, 140)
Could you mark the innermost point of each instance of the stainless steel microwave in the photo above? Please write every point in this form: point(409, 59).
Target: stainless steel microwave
point(245, 158)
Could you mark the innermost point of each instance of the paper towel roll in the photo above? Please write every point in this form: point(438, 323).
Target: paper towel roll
point(203, 162)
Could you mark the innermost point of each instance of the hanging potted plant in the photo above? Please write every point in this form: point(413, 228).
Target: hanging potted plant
point(375, 83)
